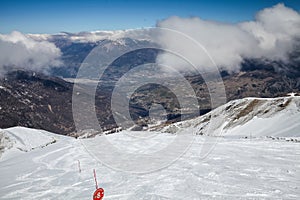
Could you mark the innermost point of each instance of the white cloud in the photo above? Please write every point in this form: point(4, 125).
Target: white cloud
point(271, 35)
point(20, 51)
point(275, 30)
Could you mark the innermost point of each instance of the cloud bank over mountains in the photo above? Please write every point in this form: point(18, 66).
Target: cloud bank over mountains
point(272, 35)
point(18, 51)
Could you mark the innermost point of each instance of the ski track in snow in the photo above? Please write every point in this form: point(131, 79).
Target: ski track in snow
point(236, 168)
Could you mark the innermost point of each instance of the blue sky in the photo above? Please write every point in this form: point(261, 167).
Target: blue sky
point(53, 16)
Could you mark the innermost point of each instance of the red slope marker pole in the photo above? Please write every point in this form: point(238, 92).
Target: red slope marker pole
point(99, 193)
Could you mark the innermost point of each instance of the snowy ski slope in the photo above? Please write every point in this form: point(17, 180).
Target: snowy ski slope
point(36, 164)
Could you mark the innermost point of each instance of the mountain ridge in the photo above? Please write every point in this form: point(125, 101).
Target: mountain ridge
point(255, 117)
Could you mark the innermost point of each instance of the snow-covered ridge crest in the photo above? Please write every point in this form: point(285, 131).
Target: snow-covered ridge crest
point(26, 139)
point(249, 117)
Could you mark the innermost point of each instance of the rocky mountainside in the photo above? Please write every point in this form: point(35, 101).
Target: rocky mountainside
point(35, 100)
point(45, 102)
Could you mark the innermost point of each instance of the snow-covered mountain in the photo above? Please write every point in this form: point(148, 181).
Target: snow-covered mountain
point(40, 165)
point(248, 117)
point(95, 36)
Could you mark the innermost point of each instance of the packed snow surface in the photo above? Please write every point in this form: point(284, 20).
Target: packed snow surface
point(236, 168)
point(36, 164)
